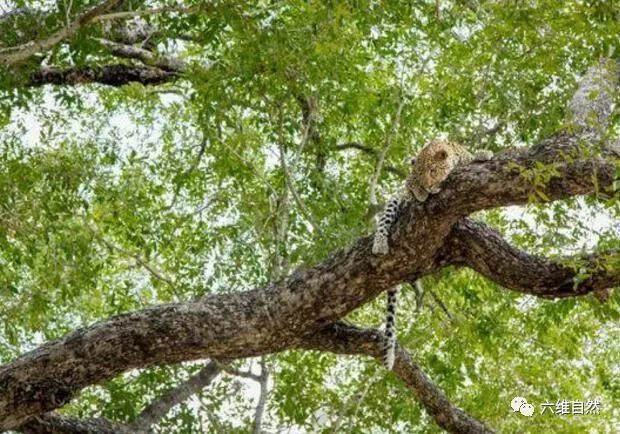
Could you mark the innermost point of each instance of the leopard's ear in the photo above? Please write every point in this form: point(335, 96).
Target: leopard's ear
point(440, 155)
point(412, 161)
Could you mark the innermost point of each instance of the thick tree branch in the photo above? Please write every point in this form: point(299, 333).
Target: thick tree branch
point(515, 176)
point(110, 75)
point(52, 423)
point(136, 31)
point(338, 338)
point(341, 338)
point(592, 104)
point(12, 55)
point(278, 316)
point(481, 248)
point(165, 63)
point(152, 413)
point(239, 324)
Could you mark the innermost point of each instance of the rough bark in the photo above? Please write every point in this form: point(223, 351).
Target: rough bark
point(110, 75)
point(479, 247)
point(592, 104)
point(147, 57)
point(273, 318)
point(342, 338)
point(284, 313)
point(53, 423)
point(504, 180)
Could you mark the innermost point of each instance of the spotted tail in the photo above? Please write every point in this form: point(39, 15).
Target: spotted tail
point(390, 330)
point(380, 242)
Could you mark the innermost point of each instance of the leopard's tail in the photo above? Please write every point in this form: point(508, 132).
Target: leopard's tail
point(390, 330)
point(380, 242)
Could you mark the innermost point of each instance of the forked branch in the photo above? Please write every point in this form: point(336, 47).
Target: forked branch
point(306, 303)
point(342, 338)
point(477, 246)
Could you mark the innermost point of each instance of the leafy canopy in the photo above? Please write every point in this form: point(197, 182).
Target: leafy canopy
point(117, 198)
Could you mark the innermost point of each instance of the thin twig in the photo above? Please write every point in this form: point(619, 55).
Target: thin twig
point(374, 153)
point(236, 372)
point(357, 398)
point(250, 166)
point(153, 271)
point(139, 260)
point(440, 303)
point(188, 171)
point(372, 194)
point(419, 294)
point(67, 12)
point(289, 183)
point(289, 178)
point(308, 110)
point(160, 407)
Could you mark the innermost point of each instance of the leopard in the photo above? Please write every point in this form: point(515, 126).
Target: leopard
point(429, 169)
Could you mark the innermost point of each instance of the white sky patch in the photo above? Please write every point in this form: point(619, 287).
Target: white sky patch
point(598, 221)
point(123, 128)
point(375, 32)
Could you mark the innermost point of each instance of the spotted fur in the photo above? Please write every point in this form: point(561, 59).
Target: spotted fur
point(432, 166)
point(390, 330)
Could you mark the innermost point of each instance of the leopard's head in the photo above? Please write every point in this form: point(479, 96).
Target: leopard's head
point(433, 165)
